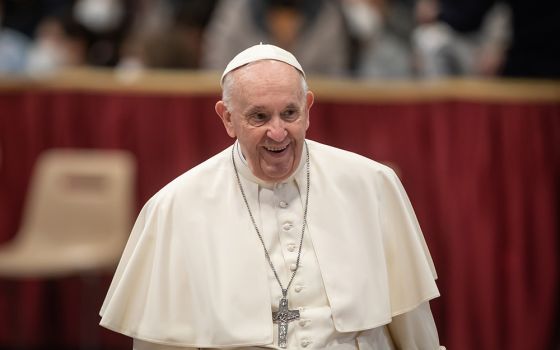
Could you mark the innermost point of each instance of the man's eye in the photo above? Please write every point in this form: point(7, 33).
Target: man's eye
point(290, 114)
point(258, 118)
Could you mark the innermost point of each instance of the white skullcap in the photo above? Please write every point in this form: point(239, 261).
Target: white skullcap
point(261, 52)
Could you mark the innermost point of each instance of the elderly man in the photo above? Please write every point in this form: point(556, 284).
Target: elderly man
point(277, 241)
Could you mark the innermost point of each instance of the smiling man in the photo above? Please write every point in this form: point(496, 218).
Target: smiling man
point(277, 241)
point(266, 106)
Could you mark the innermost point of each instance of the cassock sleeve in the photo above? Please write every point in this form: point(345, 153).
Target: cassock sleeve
point(415, 329)
point(144, 345)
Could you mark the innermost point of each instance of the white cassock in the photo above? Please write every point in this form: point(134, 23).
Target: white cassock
point(194, 273)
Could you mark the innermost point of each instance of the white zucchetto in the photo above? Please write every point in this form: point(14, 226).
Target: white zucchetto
point(261, 52)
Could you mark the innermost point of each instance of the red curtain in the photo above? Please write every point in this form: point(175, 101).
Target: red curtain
point(482, 176)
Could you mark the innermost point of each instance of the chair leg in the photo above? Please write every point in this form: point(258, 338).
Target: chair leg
point(89, 329)
point(51, 314)
point(51, 318)
point(14, 315)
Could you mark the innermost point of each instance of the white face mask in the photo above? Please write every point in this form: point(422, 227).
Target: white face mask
point(364, 20)
point(45, 58)
point(99, 15)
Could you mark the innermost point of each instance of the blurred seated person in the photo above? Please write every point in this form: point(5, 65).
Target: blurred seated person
point(442, 51)
point(381, 31)
point(14, 46)
point(314, 30)
point(166, 34)
point(60, 42)
point(107, 23)
point(534, 48)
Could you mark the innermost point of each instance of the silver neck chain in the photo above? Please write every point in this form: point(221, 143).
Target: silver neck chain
point(284, 290)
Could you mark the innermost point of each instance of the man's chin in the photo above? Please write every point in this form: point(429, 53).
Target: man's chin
point(277, 175)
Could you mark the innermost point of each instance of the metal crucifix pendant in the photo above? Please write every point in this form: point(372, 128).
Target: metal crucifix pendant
point(284, 316)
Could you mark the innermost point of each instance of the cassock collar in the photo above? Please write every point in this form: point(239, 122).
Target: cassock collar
point(246, 172)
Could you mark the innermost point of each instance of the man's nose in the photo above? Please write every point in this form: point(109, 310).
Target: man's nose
point(277, 130)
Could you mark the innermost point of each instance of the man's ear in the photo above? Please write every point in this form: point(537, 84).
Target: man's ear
point(225, 116)
point(309, 98)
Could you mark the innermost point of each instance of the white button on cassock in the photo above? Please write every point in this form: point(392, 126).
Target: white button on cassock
point(287, 226)
point(283, 204)
point(293, 267)
point(298, 289)
point(292, 247)
point(305, 343)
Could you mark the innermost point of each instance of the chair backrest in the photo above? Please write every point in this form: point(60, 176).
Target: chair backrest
point(80, 197)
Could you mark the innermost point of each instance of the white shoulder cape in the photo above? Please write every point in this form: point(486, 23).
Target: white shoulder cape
point(193, 273)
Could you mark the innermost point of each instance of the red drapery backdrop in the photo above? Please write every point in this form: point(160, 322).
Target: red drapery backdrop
point(482, 177)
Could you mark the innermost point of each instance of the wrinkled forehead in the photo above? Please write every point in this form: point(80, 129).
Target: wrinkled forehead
point(262, 77)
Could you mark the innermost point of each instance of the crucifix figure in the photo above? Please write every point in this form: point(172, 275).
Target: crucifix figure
point(283, 316)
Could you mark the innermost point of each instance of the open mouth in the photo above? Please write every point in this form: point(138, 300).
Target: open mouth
point(276, 149)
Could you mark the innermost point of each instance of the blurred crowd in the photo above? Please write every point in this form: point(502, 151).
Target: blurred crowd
point(385, 39)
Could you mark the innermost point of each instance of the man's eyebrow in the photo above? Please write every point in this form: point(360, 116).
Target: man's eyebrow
point(260, 109)
point(254, 110)
point(292, 105)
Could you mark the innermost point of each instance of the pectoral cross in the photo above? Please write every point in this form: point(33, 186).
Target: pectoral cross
point(284, 316)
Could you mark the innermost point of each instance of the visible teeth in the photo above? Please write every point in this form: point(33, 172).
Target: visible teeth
point(275, 149)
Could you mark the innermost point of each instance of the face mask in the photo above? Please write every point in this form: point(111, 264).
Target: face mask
point(364, 20)
point(99, 15)
point(44, 58)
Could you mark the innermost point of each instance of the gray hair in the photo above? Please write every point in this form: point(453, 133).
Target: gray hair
point(228, 85)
